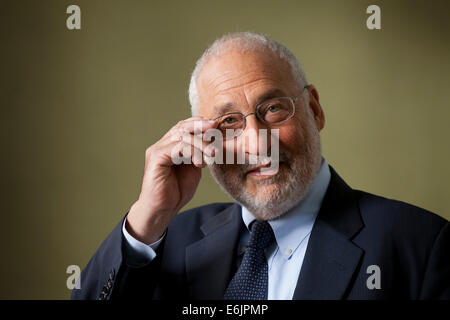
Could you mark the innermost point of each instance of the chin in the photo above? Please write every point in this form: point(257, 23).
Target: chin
point(267, 198)
point(261, 193)
point(272, 196)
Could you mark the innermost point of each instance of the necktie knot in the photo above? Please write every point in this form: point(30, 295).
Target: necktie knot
point(261, 235)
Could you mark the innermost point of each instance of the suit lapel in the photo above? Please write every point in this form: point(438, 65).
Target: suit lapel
point(330, 262)
point(209, 261)
point(331, 258)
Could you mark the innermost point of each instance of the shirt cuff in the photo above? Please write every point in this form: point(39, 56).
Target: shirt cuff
point(139, 254)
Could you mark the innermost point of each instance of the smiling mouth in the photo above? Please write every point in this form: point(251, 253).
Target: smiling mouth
point(263, 171)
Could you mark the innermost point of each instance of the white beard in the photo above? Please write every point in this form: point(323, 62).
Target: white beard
point(291, 185)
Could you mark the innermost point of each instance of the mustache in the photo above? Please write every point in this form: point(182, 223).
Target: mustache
point(253, 161)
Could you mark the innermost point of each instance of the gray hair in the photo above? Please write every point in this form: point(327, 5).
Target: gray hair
point(246, 41)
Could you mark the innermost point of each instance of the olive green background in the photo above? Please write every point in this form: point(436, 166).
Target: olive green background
point(79, 108)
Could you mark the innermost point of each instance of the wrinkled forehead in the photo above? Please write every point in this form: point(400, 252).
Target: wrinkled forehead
point(235, 74)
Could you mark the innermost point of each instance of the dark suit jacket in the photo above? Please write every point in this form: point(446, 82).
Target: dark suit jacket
point(353, 231)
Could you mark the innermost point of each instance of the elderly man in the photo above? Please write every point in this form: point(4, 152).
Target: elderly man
point(295, 232)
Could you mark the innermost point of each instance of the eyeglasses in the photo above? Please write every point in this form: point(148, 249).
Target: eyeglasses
point(270, 112)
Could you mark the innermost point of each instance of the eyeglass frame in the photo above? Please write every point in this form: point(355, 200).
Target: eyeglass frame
point(293, 101)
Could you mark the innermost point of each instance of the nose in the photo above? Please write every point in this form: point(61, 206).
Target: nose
point(255, 139)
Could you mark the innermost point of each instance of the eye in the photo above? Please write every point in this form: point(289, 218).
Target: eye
point(273, 108)
point(229, 120)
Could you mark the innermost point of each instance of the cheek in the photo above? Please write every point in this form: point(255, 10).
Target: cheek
point(290, 137)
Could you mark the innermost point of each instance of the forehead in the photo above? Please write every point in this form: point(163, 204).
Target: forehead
point(234, 76)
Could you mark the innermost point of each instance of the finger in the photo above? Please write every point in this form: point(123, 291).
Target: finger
point(197, 157)
point(192, 154)
point(197, 141)
point(196, 125)
point(181, 123)
point(183, 153)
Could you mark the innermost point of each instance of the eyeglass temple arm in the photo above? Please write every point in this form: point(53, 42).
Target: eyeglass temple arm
point(306, 86)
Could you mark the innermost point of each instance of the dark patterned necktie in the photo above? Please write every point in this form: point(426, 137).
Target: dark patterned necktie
point(251, 280)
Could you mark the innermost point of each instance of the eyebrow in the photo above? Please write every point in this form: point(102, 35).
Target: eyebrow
point(274, 93)
point(227, 107)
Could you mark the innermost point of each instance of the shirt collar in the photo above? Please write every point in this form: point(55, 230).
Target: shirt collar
point(292, 227)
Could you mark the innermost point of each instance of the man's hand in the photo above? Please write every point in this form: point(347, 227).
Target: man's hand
point(167, 187)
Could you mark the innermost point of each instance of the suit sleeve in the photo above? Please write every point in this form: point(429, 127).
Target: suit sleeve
point(139, 253)
point(108, 276)
point(436, 284)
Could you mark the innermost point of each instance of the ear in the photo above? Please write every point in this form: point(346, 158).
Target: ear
point(316, 108)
